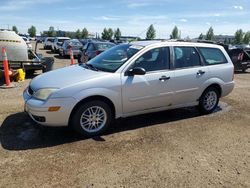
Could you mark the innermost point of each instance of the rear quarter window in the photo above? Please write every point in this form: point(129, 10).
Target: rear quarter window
point(212, 56)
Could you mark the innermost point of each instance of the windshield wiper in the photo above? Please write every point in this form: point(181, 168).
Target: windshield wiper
point(89, 66)
point(92, 67)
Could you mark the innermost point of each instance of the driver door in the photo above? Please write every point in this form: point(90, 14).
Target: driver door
point(149, 91)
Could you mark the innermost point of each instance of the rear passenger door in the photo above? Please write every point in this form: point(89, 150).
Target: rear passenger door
point(189, 74)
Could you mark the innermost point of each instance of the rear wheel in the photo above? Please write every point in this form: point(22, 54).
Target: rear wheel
point(92, 118)
point(29, 72)
point(243, 69)
point(48, 64)
point(209, 100)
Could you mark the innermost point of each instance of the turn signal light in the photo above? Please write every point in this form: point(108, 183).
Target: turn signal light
point(53, 108)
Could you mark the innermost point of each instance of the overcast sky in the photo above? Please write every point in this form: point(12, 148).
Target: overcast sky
point(133, 17)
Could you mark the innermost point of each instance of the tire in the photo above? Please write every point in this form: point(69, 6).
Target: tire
point(64, 55)
point(209, 100)
point(48, 64)
point(92, 118)
point(29, 72)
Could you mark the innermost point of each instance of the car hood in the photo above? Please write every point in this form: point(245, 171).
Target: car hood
point(64, 77)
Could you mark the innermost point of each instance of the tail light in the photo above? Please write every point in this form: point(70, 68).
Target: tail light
point(97, 52)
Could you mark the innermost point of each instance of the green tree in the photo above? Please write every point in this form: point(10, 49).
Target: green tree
point(14, 28)
point(51, 32)
point(32, 31)
point(246, 38)
point(117, 34)
point(175, 33)
point(201, 37)
point(85, 33)
point(107, 34)
point(238, 36)
point(210, 34)
point(78, 34)
point(151, 33)
point(110, 33)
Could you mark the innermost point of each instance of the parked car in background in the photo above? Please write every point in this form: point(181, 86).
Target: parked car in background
point(131, 79)
point(75, 44)
point(27, 42)
point(40, 39)
point(240, 57)
point(32, 38)
point(85, 41)
point(58, 43)
point(48, 43)
point(92, 49)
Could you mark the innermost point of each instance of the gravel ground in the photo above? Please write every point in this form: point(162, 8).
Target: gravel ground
point(177, 148)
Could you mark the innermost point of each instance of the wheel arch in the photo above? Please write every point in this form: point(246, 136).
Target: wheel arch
point(93, 98)
point(215, 85)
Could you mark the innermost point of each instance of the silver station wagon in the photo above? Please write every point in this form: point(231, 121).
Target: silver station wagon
point(131, 79)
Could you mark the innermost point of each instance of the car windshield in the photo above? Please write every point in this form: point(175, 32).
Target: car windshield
point(115, 57)
point(62, 40)
point(104, 46)
point(74, 43)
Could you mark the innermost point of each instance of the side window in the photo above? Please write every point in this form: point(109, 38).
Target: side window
point(185, 57)
point(153, 60)
point(213, 56)
point(90, 48)
point(85, 46)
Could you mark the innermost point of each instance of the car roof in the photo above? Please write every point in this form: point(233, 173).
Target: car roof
point(172, 43)
point(101, 42)
point(63, 37)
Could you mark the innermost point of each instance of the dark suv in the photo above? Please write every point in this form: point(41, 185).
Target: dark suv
point(240, 58)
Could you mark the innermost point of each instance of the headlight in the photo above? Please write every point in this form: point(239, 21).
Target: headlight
point(43, 94)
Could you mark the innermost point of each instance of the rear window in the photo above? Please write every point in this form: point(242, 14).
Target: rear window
point(213, 56)
point(62, 40)
point(104, 46)
point(51, 40)
point(73, 43)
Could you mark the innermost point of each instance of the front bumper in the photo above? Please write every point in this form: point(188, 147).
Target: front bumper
point(38, 110)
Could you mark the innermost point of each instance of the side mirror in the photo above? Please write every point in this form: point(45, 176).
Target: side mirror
point(136, 71)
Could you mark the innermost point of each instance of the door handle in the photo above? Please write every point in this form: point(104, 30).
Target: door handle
point(200, 72)
point(164, 78)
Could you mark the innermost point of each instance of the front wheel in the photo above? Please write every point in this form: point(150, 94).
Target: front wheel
point(209, 100)
point(92, 118)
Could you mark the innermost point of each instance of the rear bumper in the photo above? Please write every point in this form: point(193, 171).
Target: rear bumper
point(75, 52)
point(26, 66)
point(242, 65)
point(246, 64)
point(227, 88)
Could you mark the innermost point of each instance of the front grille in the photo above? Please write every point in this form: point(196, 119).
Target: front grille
point(30, 91)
